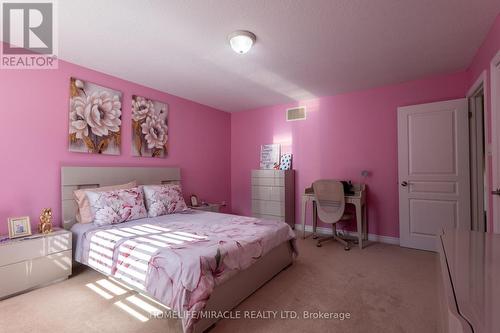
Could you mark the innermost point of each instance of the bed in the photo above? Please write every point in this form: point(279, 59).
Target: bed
point(193, 262)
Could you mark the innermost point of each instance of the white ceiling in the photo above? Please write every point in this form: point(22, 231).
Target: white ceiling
point(304, 49)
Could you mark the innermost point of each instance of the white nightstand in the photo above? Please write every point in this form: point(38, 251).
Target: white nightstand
point(34, 261)
point(211, 207)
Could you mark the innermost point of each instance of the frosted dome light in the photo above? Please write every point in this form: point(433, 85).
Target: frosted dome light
point(241, 41)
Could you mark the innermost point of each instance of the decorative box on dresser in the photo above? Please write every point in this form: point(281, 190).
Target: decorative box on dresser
point(34, 261)
point(273, 195)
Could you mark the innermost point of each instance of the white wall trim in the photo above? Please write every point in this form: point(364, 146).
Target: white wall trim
point(495, 109)
point(482, 79)
point(371, 237)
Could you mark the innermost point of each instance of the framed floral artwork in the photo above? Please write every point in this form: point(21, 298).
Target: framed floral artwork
point(149, 127)
point(94, 118)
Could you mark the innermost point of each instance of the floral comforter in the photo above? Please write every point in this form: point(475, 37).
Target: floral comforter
point(179, 258)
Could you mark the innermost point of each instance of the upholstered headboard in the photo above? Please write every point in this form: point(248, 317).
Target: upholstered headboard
point(74, 178)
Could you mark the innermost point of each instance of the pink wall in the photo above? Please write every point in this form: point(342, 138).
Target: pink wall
point(34, 129)
point(342, 135)
point(480, 63)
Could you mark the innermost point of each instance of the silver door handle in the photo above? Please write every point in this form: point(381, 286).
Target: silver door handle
point(404, 183)
point(496, 192)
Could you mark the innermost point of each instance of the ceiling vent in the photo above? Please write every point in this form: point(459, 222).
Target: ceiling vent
point(298, 113)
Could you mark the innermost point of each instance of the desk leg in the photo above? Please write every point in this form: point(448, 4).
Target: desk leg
point(359, 224)
point(315, 220)
point(365, 222)
point(304, 206)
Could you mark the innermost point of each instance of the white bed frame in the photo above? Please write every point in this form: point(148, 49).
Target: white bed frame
point(225, 296)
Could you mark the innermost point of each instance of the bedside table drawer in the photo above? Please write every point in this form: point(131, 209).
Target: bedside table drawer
point(33, 273)
point(50, 268)
point(14, 278)
point(21, 250)
point(58, 243)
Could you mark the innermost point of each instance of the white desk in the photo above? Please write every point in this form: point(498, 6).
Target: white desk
point(358, 200)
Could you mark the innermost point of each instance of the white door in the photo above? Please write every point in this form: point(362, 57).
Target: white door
point(495, 120)
point(433, 157)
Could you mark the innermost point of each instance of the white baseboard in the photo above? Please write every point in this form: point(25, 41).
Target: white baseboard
point(371, 237)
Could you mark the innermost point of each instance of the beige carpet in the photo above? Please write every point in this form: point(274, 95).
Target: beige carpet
point(385, 288)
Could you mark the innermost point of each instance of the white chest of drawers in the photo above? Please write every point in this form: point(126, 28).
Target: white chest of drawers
point(34, 261)
point(273, 195)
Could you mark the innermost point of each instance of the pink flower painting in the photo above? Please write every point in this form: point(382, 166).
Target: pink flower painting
point(149, 127)
point(94, 118)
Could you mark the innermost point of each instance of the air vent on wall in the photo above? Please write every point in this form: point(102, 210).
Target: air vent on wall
point(298, 113)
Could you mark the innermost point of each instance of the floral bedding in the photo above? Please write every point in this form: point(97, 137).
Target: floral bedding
point(180, 258)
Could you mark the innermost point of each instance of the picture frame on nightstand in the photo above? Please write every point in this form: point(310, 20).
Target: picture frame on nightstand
point(19, 227)
point(194, 200)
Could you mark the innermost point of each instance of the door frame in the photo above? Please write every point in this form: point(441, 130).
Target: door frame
point(495, 117)
point(481, 83)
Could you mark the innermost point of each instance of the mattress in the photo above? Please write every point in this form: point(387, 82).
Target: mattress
point(179, 258)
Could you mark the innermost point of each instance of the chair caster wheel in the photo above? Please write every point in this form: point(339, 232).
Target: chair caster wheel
point(318, 245)
point(347, 248)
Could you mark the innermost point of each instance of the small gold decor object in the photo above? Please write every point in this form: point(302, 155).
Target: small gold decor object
point(45, 225)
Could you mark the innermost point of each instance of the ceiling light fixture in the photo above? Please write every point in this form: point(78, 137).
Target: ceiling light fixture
point(241, 41)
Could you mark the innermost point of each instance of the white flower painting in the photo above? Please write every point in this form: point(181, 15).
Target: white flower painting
point(149, 127)
point(94, 118)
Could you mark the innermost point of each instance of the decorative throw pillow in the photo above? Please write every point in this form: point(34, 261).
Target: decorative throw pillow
point(117, 206)
point(164, 199)
point(84, 213)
